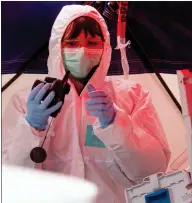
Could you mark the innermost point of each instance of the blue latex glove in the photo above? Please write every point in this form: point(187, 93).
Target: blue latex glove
point(99, 105)
point(37, 112)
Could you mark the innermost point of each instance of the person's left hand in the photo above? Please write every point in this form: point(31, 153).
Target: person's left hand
point(99, 105)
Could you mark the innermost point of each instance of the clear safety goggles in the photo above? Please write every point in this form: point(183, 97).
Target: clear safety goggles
point(91, 44)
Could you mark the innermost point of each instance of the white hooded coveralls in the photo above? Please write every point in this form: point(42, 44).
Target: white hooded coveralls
point(131, 148)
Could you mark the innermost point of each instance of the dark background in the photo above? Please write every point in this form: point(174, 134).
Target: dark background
point(163, 30)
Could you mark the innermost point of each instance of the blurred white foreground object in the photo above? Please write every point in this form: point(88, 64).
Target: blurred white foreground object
point(21, 185)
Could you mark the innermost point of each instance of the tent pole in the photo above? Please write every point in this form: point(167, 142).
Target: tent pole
point(148, 64)
point(23, 68)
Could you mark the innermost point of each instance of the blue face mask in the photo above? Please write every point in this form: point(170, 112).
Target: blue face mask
point(79, 61)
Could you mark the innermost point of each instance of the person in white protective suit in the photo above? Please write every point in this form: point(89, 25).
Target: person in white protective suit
point(107, 132)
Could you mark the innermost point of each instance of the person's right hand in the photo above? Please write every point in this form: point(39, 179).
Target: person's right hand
point(37, 112)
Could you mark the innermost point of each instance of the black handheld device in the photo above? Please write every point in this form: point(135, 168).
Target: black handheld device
point(61, 88)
